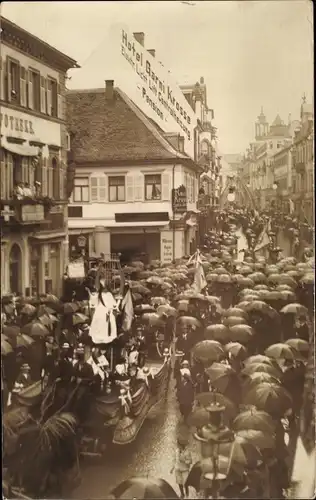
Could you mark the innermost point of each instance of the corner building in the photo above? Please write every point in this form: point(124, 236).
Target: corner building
point(33, 163)
point(126, 168)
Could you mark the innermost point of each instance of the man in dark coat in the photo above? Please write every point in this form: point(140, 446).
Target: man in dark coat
point(185, 393)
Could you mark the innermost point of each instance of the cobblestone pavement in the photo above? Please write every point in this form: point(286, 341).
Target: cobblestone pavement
point(150, 455)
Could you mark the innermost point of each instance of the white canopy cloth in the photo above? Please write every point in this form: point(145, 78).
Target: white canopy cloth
point(103, 329)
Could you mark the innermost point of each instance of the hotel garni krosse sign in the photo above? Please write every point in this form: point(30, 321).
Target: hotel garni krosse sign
point(150, 86)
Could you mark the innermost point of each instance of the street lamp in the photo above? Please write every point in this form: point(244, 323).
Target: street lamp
point(211, 436)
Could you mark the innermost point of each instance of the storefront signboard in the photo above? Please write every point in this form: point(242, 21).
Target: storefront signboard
point(179, 200)
point(76, 269)
point(32, 213)
point(166, 247)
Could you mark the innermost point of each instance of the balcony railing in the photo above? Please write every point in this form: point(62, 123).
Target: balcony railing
point(26, 211)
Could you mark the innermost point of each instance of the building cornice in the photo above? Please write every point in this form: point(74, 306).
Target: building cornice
point(20, 39)
point(144, 162)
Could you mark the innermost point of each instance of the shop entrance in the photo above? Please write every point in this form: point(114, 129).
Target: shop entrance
point(15, 269)
point(143, 246)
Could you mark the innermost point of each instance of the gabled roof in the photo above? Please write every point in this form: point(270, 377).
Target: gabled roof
point(114, 130)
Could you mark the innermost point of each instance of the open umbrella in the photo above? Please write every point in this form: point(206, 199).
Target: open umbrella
point(299, 345)
point(153, 319)
point(50, 298)
point(144, 308)
point(236, 350)
point(224, 278)
point(285, 279)
point(260, 307)
point(261, 440)
point(158, 301)
point(220, 270)
point(254, 419)
point(242, 452)
point(146, 274)
point(223, 378)
point(245, 270)
point(168, 310)
point(28, 309)
point(208, 351)
point(296, 309)
point(211, 277)
point(35, 329)
point(234, 320)
point(246, 282)
point(79, 319)
point(189, 321)
point(70, 307)
point(261, 287)
point(287, 296)
point(269, 397)
point(22, 340)
point(155, 280)
point(11, 330)
point(258, 277)
point(48, 319)
point(183, 305)
point(44, 309)
point(259, 358)
point(144, 488)
point(262, 367)
point(241, 333)
point(217, 332)
point(139, 288)
point(235, 311)
point(308, 279)
point(259, 377)
point(6, 348)
point(247, 291)
point(280, 351)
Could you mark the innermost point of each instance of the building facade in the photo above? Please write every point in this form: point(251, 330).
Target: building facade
point(127, 169)
point(33, 163)
point(303, 165)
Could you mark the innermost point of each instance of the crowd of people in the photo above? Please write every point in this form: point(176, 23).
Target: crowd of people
point(237, 325)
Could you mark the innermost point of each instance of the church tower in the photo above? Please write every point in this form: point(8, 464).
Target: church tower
point(261, 127)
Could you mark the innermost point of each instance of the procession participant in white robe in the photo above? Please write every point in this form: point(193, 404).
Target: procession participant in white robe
point(103, 329)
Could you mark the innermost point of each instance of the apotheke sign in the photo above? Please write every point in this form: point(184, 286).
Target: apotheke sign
point(155, 93)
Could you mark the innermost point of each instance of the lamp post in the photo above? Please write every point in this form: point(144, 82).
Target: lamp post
point(211, 436)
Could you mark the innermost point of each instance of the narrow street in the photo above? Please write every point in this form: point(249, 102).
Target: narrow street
point(150, 455)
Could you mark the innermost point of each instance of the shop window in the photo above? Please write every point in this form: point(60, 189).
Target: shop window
point(153, 187)
point(34, 90)
point(13, 81)
point(117, 188)
point(81, 189)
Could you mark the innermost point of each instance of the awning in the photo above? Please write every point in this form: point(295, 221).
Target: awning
point(19, 149)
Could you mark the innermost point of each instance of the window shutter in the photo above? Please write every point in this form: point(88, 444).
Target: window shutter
point(30, 90)
point(43, 95)
point(129, 187)
point(102, 189)
point(44, 177)
point(59, 103)
point(165, 187)
point(3, 176)
point(8, 80)
point(139, 187)
point(23, 86)
point(94, 189)
point(1, 79)
point(49, 97)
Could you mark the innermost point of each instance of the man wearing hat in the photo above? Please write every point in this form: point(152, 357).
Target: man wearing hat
point(65, 364)
point(185, 393)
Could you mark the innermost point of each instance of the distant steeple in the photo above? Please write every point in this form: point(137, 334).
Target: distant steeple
point(261, 126)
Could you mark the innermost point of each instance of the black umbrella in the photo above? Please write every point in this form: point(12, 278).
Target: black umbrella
point(144, 487)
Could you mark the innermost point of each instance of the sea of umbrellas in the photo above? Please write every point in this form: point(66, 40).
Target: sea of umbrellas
point(263, 312)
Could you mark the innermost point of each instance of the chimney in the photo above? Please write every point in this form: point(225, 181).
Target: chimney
point(140, 37)
point(202, 80)
point(109, 90)
point(152, 52)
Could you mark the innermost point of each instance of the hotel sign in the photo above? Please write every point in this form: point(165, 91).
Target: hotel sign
point(179, 200)
point(150, 86)
point(16, 124)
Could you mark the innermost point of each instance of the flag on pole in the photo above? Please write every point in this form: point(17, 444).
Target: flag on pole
point(263, 240)
point(199, 282)
point(127, 311)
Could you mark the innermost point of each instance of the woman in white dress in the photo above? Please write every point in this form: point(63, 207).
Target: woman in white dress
point(103, 329)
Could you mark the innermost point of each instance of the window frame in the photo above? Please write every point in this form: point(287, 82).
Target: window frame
point(36, 92)
point(53, 99)
point(81, 189)
point(12, 60)
point(116, 200)
point(146, 175)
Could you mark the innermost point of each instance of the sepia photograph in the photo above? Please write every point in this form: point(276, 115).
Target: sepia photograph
point(157, 249)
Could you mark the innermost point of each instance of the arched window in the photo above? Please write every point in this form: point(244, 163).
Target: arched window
point(205, 148)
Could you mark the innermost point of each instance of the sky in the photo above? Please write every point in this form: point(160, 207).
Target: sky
point(252, 54)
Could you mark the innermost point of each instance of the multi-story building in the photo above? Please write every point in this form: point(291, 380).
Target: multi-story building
point(135, 187)
point(206, 153)
point(33, 163)
point(303, 164)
